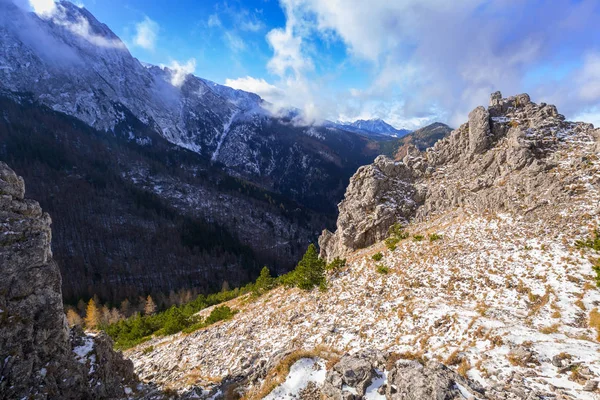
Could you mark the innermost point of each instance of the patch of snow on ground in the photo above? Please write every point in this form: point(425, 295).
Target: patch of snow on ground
point(301, 373)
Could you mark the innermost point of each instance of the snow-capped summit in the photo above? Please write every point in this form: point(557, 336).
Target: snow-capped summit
point(375, 126)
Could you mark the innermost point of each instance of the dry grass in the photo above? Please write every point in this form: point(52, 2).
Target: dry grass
point(454, 358)
point(546, 330)
point(595, 322)
point(407, 355)
point(463, 368)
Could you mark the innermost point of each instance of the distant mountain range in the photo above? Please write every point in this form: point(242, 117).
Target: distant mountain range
point(375, 128)
point(422, 139)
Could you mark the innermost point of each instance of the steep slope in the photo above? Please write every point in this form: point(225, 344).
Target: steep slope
point(42, 359)
point(148, 216)
point(88, 73)
point(490, 279)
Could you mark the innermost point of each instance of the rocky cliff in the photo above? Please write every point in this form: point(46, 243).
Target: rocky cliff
point(42, 359)
point(505, 158)
point(491, 293)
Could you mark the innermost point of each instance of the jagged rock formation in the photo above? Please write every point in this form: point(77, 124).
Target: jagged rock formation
point(41, 358)
point(490, 282)
point(378, 195)
point(503, 158)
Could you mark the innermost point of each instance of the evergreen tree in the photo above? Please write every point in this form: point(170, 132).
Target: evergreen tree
point(310, 271)
point(264, 282)
point(150, 307)
point(92, 315)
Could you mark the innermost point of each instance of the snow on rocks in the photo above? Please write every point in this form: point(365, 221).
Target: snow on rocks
point(303, 372)
point(499, 295)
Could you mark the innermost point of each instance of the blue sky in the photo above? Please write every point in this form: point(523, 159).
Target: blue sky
point(409, 62)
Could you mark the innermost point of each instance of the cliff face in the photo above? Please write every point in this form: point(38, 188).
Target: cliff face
point(42, 359)
point(505, 158)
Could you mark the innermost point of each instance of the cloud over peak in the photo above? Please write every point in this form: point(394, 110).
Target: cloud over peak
point(146, 33)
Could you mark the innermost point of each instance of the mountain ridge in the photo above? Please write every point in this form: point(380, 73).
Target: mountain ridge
point(483, 276)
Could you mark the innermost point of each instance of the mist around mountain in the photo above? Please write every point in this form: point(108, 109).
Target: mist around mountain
point(159, 151)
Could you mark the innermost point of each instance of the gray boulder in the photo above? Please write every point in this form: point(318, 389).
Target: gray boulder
point(479, 130)
point(410, 380)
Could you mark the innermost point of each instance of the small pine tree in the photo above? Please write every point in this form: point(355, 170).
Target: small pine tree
point(310, 271)
point(150, 307)
point(264, 282)
point(73, 318)
point(92, 315)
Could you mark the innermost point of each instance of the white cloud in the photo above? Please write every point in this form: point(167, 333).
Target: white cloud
point(77, 24)
point(43, 8)
point(180, 71)
point(214, 21)
point(234, 41)
point(264, 89)
point(434, 55)
point(146, 34)
point(589, 78)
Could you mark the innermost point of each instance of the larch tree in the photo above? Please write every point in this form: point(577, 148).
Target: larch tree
point(150, 307)
point(92, 315)
point(73, 318)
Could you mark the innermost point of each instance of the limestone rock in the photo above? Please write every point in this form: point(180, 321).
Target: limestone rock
point(40, 361)
point(410, 380)
point(479, 130)
point(500, 161)
point(378, 196)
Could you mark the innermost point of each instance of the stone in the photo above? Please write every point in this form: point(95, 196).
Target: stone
point(479, 130)
point(590, 386)
point(35, 341)
point(378, 196)
point(411, 380)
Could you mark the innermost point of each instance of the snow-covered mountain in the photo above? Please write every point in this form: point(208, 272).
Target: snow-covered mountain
point(145, 134)
point(372, 127)
point(74, 64)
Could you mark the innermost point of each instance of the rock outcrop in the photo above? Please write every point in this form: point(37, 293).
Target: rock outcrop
point(378, 196)
point(502, 159)
point(41, 358)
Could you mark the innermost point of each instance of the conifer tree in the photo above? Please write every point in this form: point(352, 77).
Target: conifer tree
point(125, 306)
point(150, 307)
point(92, 315)
point(225, 287)
point(264, 282)
point(73, 318)
point(310, 271)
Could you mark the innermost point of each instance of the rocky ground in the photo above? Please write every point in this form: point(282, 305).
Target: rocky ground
point(42, 357)
point(501, 294)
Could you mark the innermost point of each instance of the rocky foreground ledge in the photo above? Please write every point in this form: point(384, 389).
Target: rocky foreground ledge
point(41, 358)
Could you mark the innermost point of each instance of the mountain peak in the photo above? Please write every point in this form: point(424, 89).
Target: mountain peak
point(373, 127)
